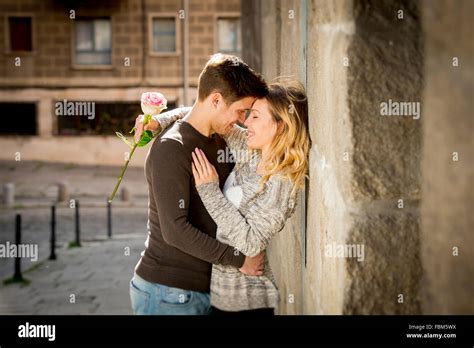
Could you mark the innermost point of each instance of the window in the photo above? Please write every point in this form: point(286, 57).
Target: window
point(164, 35)
point(93, 42)
point(20, 34)
point(229, 38)
point(108, 119)
point(21, 120)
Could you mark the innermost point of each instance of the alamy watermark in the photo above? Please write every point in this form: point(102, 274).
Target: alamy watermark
point(345, 251)
point(75, 108)
point(228, 156)
point(28, 251)
point(396, 108)
point(28, 330)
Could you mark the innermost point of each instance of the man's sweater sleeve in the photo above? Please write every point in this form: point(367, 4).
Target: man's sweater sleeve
point(171, 182)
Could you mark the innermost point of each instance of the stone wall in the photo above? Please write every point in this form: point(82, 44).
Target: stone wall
point(385, 64)
point(284, 27)
point(365, 177)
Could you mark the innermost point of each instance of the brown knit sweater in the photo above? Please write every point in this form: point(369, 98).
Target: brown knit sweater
point(181, 245)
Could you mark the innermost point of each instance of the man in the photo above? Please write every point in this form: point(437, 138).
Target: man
point(173, 274)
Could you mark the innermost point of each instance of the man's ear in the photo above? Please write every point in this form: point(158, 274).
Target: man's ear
point(216, 99)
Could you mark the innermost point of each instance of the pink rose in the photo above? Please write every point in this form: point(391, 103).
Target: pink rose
point(153, 103)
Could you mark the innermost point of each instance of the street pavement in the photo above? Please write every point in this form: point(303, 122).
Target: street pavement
point(92, 279)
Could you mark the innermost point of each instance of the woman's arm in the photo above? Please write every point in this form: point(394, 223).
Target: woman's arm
point(267, 215)
point(236, 139)
point(168, 118)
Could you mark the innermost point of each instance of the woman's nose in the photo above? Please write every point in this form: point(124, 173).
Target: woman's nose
point(247, 122)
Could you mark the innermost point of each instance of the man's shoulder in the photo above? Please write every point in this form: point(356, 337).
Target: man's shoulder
point(174, 132)
point(168, 143)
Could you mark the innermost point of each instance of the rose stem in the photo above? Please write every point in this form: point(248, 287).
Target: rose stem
point(121, 174)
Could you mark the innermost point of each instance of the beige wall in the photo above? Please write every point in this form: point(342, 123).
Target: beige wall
point(447, 205)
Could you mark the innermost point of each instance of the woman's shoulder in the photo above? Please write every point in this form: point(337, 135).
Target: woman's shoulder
point(280, 191)
point(280, 182)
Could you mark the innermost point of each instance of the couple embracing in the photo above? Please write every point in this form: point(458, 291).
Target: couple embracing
point(210, 220)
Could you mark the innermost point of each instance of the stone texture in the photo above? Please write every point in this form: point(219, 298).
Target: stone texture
point(330, 29)
point(355, 56)
point(385, 62)
point(391, 265)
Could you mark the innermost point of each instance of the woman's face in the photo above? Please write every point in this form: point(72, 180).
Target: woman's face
point(261, 126)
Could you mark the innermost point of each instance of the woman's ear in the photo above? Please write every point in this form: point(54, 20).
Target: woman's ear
point(280, 127)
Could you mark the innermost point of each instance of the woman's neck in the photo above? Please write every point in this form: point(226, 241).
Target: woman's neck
point(265, 155)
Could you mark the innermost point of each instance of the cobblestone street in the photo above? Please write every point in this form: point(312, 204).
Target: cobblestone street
point(36, 228)
point(98, 273)
point(92, 279)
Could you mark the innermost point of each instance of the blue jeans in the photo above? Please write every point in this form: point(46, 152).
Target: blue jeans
point(157, 299)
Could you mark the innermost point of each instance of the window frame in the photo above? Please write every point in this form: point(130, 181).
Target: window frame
point(154, 15)
point(225, 15)
point(7, 32)
point(74, 64)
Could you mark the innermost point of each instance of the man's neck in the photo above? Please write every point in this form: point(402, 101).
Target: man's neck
point(199, 119)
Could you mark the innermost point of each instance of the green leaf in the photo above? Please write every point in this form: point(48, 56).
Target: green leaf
point(120, 135)
point(147, 136)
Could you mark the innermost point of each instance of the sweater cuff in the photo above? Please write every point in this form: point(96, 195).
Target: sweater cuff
point(207, 191)
point(238, 259)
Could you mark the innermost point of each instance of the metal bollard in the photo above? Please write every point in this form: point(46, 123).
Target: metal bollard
point(109, 219)
point(78, 228)
point(125, 194)
point(9, 194)
point(52, 255)
point(63, 192)
point(17, 275)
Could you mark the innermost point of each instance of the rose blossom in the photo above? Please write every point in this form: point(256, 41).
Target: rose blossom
point(153, 103)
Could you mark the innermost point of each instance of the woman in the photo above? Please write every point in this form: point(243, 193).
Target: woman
point(259, 195)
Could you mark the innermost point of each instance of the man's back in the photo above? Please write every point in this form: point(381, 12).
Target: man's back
point(181, 241)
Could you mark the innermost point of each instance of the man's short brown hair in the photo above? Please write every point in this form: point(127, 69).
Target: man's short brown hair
point(232, 78)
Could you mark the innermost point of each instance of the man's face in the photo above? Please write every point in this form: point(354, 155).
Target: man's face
point(227, 116)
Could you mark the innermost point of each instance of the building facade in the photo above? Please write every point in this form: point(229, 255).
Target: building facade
point(72, 72)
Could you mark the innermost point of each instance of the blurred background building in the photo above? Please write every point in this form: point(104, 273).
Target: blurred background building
point(105, 52)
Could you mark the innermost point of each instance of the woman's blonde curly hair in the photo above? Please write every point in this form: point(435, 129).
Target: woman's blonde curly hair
point(289, 155)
